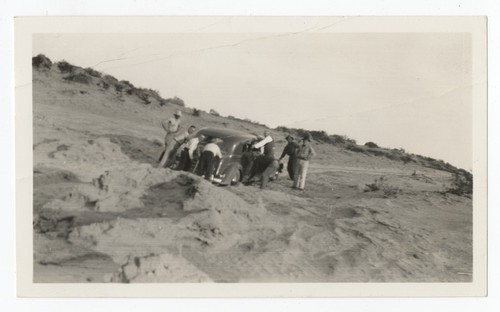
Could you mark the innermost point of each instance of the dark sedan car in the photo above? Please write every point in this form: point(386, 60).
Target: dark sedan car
point(229, 169)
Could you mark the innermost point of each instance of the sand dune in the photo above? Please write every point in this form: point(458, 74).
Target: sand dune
point(104, 213)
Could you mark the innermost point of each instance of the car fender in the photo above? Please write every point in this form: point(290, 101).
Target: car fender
point(230, 172)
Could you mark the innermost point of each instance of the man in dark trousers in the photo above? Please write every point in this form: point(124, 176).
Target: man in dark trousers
point(187, 154)
point(247, 159)
point(265, 167)
point(208, 158)
point(290, 150)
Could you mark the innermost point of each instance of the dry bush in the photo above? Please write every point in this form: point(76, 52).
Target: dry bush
point(92, 72)
point(79, 77)
point(371, 145)
point(317, 135)
point(110, 80)
point(196, 112)
point(380, 184)
point(176, 101)
point(41, 62)
point(65, 67)
point(103, 85)
point(355, 148)
point(462, 184)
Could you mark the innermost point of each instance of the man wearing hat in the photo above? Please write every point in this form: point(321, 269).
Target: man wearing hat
point(171, 127)
point(290, 150)
point(304, 154)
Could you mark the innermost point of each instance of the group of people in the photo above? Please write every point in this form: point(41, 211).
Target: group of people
point(188, 143)
point(257, 158)
point(261, 160)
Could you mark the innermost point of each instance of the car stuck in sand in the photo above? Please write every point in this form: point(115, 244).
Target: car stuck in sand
point(229, 169)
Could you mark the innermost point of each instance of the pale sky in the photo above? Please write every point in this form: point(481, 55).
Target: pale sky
point(399, 90)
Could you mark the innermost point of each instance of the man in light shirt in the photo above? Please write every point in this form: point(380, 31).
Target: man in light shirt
point(171, 127)
point(266, 145)
point(178, 140)
point(187, 153)
point(304, 154)
point(208, 159)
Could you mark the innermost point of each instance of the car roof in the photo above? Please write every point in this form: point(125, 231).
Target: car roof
point(227, 135)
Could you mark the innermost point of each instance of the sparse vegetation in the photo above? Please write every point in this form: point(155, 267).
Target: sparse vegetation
point(196, 112)
point(320, 136)
point(462, 184)
point(371, 145)
point(380, 184)
point(110, 80)
point(79, 77)
point(103, 85)
point(65, 67)
point(119, 87)
point(92, 72)
point(143, 95)
point(214, 112)
point(176, 101)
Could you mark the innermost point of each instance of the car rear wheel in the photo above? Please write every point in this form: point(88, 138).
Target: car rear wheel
point(236, 179)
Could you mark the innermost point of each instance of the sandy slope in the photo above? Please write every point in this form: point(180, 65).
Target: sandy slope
point(103, 213)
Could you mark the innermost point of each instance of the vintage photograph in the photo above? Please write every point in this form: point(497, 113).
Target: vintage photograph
point(229, 154)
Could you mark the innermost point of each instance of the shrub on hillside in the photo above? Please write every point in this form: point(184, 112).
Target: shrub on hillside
point(338, 139)
point(119, 87)
point(320, 136)
point(79, 77)
point(65, 67)
point(127, 84)
point(154, 94)
point(406, 158)
point(176, 101)
point(110, 80)
point(103, 85)
point(380, 184)
point(92, 72)
point(462, 184)
point(196, 112)
point(355, 148)
point(371, 145)
point(41, 62)
point(214, 112)
point(253, 122)
point(143, 95)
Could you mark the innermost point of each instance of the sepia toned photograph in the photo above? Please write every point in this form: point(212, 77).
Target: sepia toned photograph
point(256, 151)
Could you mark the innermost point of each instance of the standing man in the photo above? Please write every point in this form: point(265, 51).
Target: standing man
point(208, 159)
point(304, 154)
point(290, 150)
point(171, 127)
point(179, 140)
